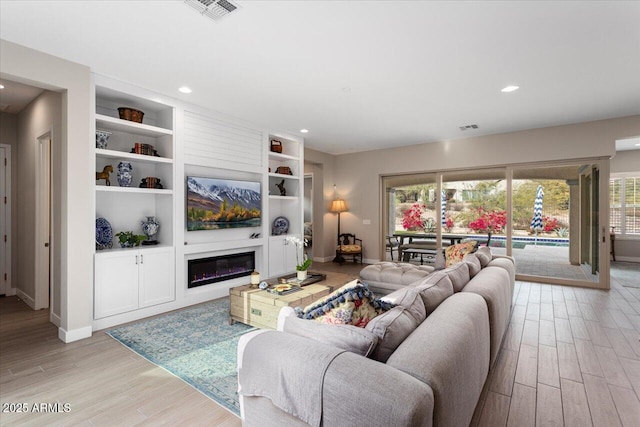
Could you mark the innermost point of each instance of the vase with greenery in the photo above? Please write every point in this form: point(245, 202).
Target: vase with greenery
point(128, 239)
point(301, 268)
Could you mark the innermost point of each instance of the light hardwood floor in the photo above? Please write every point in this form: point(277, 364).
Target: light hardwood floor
point(104, 383)
point(571, 357)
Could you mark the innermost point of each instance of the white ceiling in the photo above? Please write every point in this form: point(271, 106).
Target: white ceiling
point(360, 75)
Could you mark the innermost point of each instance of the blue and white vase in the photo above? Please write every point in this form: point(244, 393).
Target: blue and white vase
point(150, 228)
point(124, 174)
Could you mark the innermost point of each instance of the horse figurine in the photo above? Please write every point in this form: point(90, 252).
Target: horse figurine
point(283, 191)
point(105, 174)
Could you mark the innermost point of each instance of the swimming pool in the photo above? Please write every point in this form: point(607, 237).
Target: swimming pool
point(520, 242)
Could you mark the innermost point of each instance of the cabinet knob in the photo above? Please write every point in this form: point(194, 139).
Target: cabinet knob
point(46, 245)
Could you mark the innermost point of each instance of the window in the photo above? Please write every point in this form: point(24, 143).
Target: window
point(624, 193)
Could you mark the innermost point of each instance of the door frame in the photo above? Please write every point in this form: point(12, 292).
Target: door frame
point(7, 287)
point(43, 214)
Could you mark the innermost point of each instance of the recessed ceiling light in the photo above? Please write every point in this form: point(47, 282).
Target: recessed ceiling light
point(1, 86)
point(304, 130)
point(185, 89)
point(510, 88)
point(638, 144)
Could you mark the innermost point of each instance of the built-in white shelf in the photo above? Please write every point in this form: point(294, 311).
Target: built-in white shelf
point(116, 248)
point(116, 189)
point(281, 175)
point(111, 123)
point(284, 197)
point(274, 155)
point(131, 156)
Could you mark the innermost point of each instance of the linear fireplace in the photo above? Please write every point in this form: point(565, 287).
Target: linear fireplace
point(204, 271)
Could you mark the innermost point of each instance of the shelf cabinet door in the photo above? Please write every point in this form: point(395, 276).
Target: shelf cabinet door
point(116, 283)
point(282, 257)
point(157, 284)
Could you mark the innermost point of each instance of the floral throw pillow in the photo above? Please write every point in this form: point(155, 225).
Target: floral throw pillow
point(454, 254)
point(353, 304)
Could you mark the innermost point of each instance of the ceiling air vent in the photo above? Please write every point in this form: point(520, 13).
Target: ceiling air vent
point(214, 9)
point(467, 127)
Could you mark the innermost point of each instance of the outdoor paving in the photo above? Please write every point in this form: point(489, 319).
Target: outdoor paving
point(553, 261)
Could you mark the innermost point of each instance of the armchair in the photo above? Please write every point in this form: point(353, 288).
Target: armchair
point(349, 245)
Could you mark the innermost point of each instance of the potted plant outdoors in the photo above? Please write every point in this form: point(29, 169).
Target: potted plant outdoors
point(301, 269)
point(128, 239)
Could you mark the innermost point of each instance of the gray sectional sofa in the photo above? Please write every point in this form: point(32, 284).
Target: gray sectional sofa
point(432, 376)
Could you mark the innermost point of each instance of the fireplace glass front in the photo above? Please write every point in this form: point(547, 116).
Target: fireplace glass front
point(204, 271)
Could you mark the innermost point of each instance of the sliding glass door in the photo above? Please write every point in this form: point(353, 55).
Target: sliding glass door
point(548, 217)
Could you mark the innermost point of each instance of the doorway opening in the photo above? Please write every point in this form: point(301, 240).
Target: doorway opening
point(308, 214)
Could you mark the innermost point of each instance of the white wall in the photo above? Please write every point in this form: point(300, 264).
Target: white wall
point(9, 135)
point(627, 161)
point(73, 82)
point(42, 115)
point(358, 174)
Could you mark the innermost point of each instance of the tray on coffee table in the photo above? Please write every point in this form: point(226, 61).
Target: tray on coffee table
point(312, 277)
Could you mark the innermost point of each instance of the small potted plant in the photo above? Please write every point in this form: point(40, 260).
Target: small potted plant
point(301, 269)
point(128, 239)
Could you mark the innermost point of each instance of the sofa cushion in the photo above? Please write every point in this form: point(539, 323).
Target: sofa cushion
point(347, 337)
point(454, 254)
point(391, 328)
point(507, 263)
point(459, 275)
point(410, 299)
point(352, 304)
point(484, 255)
point(386, 277)
point(434, 289)
point(474, 264)
point(493, 284)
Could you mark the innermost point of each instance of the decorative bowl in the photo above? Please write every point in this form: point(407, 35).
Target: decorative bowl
point(102, 137)
point(131, 114)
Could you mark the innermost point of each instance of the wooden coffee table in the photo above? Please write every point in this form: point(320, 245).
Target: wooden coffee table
point(260, 308)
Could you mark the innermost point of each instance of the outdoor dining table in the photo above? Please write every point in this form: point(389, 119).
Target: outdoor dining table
point(453, 238)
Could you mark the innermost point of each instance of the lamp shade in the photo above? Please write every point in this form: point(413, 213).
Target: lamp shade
point(338, 205)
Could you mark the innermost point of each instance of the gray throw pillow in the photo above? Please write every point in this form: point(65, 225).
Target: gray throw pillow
point(410, 299)
point(484, 255)
point(459, 275)
point(391, 328)
point(434, 289)
point(474, 264)
point(347, 337)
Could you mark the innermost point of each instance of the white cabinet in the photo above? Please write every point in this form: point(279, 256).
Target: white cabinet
point(282, 256)
point(130, 279)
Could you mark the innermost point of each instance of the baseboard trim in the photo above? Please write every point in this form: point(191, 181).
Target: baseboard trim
point(11, 292)
point(627, 259)
point(74, 334)
point(26, 298)
point(55, 319)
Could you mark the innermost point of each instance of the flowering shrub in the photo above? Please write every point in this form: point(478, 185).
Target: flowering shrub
point(549, 224)
point(448, 223)
point(489, 221)
point(412, 219)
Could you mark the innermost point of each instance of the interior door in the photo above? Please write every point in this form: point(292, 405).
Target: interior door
point(3, 223)
point(43, 223)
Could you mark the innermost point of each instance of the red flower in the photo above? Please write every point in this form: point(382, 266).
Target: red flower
point(489, 222)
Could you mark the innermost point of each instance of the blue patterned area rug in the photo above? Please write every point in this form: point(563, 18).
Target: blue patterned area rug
point(196, 344)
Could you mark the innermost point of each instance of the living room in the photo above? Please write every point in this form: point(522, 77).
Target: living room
point(344, 163)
